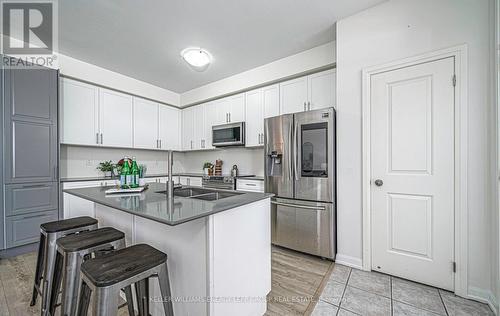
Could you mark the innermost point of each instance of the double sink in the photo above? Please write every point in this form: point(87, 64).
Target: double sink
point(202, 194)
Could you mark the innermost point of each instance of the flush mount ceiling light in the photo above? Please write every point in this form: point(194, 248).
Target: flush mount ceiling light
point(198, 58)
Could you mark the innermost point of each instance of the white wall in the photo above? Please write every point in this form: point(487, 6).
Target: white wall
point(78, 69)
point(394, 30)
point(249, 160)
point(85, 71)
point(79, 161)
point(314, 58)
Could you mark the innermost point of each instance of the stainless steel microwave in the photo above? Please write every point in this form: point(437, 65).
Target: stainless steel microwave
point(232, 134)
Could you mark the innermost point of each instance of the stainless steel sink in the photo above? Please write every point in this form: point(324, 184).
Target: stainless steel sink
point(202, 194)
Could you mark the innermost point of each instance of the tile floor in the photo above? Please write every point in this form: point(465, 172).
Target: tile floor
point(355, 292)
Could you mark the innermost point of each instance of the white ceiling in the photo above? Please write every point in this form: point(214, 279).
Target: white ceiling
point(143, 39)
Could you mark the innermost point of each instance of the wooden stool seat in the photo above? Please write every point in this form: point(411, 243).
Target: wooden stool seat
point(68, 224)
point(103, 277)
point(122, 264)
point(89, 239)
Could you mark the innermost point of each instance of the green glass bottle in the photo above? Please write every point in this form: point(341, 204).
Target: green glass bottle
point(125, 175)
point(135, 174)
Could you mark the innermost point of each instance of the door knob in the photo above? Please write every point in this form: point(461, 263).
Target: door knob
point(379, 182)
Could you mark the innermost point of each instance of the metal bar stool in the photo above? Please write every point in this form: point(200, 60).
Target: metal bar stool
point(49, 233)
point(106, 275)
point(72, 251)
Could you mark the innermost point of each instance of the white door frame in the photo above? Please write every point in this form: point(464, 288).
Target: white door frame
point(460, 194)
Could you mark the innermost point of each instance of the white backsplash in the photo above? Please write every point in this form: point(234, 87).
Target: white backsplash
point(77, 161)
point(249, 161)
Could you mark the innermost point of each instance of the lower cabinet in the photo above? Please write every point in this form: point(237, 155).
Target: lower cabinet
point(249, 185)
point(74, 206)
point(25, 229)
point(191, 181)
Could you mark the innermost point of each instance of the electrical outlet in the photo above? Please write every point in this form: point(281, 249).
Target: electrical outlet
point(88, 163)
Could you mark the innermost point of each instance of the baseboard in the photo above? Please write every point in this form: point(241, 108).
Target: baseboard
point(17, 251)
point(484, 296)
point(349, 261)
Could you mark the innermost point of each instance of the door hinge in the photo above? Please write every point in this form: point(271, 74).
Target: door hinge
point(454, 80)
point(454, 266)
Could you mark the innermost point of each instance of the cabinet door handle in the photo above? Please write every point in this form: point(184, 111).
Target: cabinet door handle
point(160, 142)
point(309, 105)
point(250, 184)
point(229, 117)
point(304, 106)
point(101, 139)
point(97, 138)
point(34, 186)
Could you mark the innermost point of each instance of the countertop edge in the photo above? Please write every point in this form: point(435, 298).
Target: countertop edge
point(170, 223)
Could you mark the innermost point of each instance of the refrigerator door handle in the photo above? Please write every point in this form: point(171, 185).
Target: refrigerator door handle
point(290, 155)
point(295, 150)
point(319, 208)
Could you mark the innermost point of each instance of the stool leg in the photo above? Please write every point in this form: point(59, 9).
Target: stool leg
point(69, 301)
point(142, 292)
point(83, 302)
point(165, 290)
point(56, 283)
point(50, 255)
point(39, 269)
point(130, 300)
point(105, 302)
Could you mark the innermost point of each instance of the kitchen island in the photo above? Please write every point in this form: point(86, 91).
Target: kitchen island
point(218, 244)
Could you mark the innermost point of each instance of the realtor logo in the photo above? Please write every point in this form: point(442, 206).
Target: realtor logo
point(29, 32)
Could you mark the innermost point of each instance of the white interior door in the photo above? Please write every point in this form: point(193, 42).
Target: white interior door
point(412, 153)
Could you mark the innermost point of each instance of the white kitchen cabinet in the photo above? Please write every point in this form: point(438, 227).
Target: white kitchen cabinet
point(74, 206)
point(145, 124)
point(312, 92)
point(260, 103)
point(271, 101)
point(321, 90)
point(169, 127)
point(190, 181)
point(254, 118)
point(230, 109)
point(210, 120)
point(79, 113)
point(293, 95)
point(250, 185)
point(188, 128)
point(199, 127)
point(115, 118)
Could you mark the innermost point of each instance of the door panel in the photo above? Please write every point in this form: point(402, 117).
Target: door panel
point(322, 90)
point(210, 120)
point(79, 110)
point(271, 101)
point(293, 95)
point(170, 127)
point(278, 160)
point(314, 164)
point(25, 229)
point(29, 198)
point(254, 124)
point(304, 226)
point(116, 118)
point(412, 152)
point(145, 124)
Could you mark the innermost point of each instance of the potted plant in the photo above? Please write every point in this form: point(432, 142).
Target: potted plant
point(207, 168)
point(106, 167)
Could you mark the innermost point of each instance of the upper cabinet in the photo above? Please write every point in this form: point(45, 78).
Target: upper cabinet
point(230, 109)
point(146, 124)
point(96, 116)
point(79, 112)
point(169, 127)
point(115, 118)
point(260, 104)
point(307, 93)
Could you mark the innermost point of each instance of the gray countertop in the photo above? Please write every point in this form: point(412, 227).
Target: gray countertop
point(153, 205)
point(102, 178)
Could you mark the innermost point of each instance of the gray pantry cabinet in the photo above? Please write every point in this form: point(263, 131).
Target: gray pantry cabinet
point(30, 154)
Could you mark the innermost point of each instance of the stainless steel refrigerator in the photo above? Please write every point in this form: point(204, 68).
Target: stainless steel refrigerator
point(300, 171)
